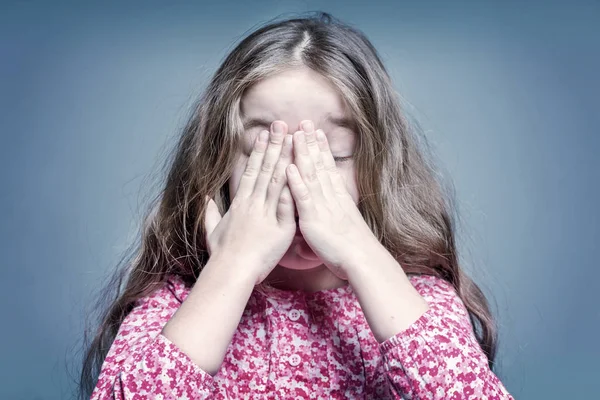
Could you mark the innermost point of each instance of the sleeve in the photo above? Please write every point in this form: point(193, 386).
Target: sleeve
point(438, 356)
point(143, 363)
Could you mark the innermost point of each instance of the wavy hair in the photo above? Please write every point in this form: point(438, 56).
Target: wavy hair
point(406, 205)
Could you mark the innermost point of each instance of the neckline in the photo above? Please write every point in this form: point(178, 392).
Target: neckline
point(288, 294)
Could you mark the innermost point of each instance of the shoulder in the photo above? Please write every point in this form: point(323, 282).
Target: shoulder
point(168, 295)
point(441, 295)
point(141, 327)
point(431, 284)
point(151, 312)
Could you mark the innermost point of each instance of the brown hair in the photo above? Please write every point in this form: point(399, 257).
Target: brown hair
point(401, 197)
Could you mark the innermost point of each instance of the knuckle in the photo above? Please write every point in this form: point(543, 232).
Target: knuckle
point(312, 177)
point(250, 171)
point(250, 208)
point(266, 167)
point(275, 140)
point(236, 203)
point(276, 179)
point(305, 196)
point(257, 201)
point(285, 155)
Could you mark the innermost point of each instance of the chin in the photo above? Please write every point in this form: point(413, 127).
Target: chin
point(300, 256)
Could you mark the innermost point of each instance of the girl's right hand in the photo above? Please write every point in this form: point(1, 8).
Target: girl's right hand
point(260, 225)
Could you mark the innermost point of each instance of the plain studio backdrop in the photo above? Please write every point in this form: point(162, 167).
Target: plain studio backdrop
point(92, 97)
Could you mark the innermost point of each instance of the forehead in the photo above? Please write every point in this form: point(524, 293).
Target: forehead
point(293, 96)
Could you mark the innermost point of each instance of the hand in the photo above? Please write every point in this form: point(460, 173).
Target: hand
point(260, 225)
point(329, 220)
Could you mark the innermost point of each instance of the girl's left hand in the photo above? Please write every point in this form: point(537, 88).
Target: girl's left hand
point(330, 221)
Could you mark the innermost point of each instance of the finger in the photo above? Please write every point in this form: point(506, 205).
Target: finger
point(285, 206)
point(250, 174)
point(279, 178)
point(311, 141)
point(306, 167)
point(313, 144)
point(302, 195)
point(212, 218)
point(278, 130)
point(335, 178)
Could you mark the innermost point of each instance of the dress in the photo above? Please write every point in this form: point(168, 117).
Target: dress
point(301, 345)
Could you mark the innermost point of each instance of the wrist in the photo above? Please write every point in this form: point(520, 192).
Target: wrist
point(366, 255)
point(230, 270)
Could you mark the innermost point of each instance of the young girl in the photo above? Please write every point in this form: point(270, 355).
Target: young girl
point(302, 247)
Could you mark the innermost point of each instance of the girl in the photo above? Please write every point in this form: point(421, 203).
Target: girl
point(302, 247)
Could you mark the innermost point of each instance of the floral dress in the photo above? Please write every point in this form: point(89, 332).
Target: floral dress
point(303, 345)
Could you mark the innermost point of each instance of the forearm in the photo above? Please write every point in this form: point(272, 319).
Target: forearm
point(425, 335)
point(389, 301)
point(204, 324)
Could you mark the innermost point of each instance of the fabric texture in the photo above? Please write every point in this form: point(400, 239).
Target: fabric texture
point(301, 345)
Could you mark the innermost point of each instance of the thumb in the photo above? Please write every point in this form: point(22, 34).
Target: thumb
point(212, 217)
point(285, 206)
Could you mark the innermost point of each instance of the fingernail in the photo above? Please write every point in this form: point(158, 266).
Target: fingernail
point(264, 136)
point(307, 126)
point(277, 127)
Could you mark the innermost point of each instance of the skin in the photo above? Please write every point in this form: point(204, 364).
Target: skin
point(292, 97)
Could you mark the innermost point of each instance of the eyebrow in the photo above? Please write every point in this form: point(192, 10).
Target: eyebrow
point(343, 122)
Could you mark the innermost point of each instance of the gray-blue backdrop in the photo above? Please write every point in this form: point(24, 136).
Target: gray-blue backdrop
point(92, 97)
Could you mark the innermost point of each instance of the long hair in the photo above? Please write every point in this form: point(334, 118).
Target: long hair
point(407, 206)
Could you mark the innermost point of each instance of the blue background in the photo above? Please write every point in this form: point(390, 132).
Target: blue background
point(92, 97)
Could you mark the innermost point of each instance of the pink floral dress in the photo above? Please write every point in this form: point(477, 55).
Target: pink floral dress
point(300, 345)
